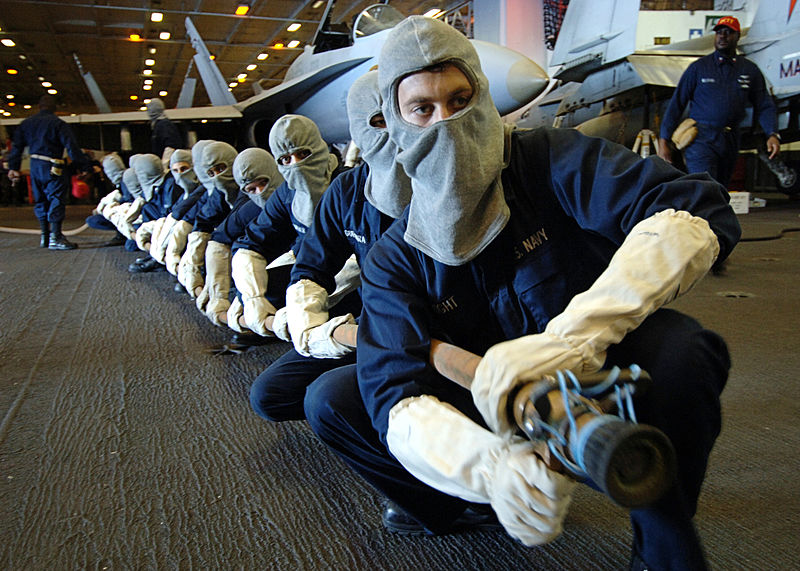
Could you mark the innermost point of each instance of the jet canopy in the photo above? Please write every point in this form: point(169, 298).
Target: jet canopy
point(376, 18)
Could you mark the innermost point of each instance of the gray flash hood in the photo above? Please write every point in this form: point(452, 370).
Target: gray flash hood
point(253, 164)
point(388, 188)
point(457, 205)
point(310, 177)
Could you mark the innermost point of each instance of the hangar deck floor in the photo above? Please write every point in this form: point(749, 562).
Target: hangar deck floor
point(124, 445)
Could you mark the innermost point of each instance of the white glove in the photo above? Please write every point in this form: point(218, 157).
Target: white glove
point(108, 208)
point(445, 449)
point(249, 273)
point(285, 259)
point(158, 244)
point(661, 258)
point(320, 342)
point(176, 246)
point(112, 197)
point(190, 268)
point(306, 308)
point(280, 327)
point(234, 313)
point(134, 209)
point(348, 279)
point(144, 234)
point(213, 300)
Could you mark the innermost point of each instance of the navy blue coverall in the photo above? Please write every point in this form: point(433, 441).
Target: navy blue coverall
point(345, 223)
point(573, 199)
point(718, 89)
point(46, 136)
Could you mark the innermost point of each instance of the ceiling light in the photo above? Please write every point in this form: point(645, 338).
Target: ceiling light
point(11, 104)
point(204, 120)
point(6, 114)
point(149, 62)
point(262, 56)
point(10, 96)
point(148, 81)
point(278, 46)
point(40, 78)
point(316, 4)
point(147, 72)
point(135, 38)
point(162, 93)
point(12, 71)
point(293, 44)
point(134, 97)
point(233, 84)
point(433, 13)
point(143, 108)
point(251, 67)
point(164, 35)
point(23, 57)
point(146, 101)
point(47, 84)
point(147, 87)
point(52, 91)
point(152, 50)
point(242, 8)
point(241, 77)
point(293, 28)
point(26, 106)
point(8, 42)
point(156, 17)
point(212, 57)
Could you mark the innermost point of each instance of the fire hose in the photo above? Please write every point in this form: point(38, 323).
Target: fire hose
point(584, 426)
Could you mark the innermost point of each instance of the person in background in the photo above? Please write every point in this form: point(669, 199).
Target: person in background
point(717, 88)
point(46, 137)
point(166, 136)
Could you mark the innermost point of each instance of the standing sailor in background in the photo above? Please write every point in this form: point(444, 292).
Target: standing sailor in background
point(46, 137)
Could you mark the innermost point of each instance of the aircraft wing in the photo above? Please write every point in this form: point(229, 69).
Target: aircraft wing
point(189, 113)
point(659, 69)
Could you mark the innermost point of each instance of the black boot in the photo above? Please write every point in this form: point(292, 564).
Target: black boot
point(44, 241)
point(118, 240)
point(57, 240)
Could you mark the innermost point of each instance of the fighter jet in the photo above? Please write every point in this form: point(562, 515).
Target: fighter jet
point(317, 82)
point(609, 89)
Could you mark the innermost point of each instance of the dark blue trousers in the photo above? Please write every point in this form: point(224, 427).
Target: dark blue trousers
point(689, 366)
point(100, 222)
point(713, 152)
point(49, 192)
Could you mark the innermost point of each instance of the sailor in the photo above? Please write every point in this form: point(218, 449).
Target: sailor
point(183, 211)
point(718, 88)
point(46, 137)
point(307, 167)
point(113, 167)
point(160, 192)
point(352, 214)
point(213, 169)
point(166, 137)
point(257, 176)
point(540, 250)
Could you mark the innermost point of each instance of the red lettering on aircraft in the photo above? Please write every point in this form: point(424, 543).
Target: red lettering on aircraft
point(791, 9)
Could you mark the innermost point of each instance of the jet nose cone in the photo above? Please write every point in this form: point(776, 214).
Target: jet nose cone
point(514, 79)
point(525, 81)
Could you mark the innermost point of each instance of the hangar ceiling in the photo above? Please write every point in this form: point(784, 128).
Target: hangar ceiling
point(53, 40)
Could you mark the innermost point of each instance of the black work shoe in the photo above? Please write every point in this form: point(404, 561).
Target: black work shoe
point(44, 240)
point(115, 241)
point(149, 266)
point(60, 242)
point(178, 288)
point(250, 339)
point(476, 516)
